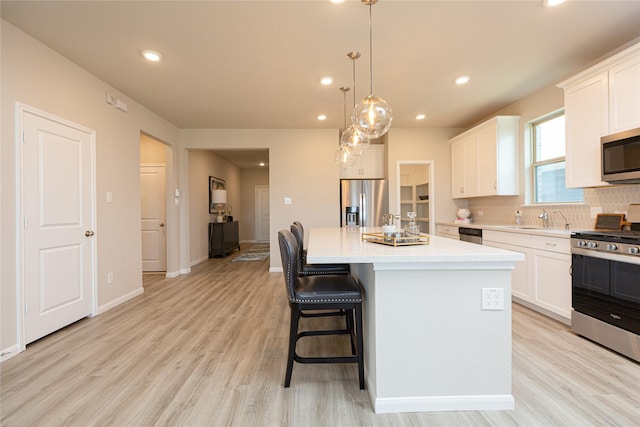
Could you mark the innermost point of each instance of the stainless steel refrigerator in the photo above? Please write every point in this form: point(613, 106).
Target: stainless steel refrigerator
point(363, 202)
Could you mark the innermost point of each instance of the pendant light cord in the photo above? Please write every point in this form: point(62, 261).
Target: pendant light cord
point(370, 52)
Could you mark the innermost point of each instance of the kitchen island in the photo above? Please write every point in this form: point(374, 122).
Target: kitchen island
point(429, 345)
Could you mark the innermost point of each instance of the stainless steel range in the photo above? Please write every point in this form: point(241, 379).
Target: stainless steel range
point(606, 287)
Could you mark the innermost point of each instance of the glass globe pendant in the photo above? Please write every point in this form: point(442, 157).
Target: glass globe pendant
point(353, 141)
point(343, 158)
point(372, 116)
point(352, 138)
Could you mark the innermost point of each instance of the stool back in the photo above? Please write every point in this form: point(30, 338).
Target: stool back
point(288, 254)
point(296, 230)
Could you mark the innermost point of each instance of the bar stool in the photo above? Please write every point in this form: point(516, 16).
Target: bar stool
point(305, 269)
point(321, 292)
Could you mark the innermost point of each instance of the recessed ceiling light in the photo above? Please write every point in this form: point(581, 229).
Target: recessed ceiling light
point(421, 116)
point(326, 80)
point(462, 80)
point(551, 3)
point(322, 117)
point(261, 163)
point(152, 55)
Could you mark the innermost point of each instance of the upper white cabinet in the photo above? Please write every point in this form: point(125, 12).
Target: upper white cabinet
point(600, 101)
point(484, 159)
point(624, 95)
point(586, 120)
point(370, 165)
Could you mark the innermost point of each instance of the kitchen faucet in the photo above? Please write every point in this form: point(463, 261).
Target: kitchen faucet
point(544, 216)
point(566, 223)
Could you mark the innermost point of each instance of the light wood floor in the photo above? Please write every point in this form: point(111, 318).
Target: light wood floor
point(209, 349)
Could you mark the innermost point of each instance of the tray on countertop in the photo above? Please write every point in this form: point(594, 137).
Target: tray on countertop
point(396, 239)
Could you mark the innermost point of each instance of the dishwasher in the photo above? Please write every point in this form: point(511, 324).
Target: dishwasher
point(473, 235)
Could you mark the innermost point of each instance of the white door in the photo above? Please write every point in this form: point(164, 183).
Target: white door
point(154, 236)
point(58, 242)
point(262, 214)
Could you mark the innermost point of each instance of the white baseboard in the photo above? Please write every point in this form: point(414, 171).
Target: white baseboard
point(198, 261)
point(108, 306)
point(444, 403)
point(174, 274)
point(8, 353)
point(275, 270)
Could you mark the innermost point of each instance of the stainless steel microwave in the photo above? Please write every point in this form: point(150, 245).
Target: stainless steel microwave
point(621, 157)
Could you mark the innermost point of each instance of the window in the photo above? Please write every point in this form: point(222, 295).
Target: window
point(548, 143)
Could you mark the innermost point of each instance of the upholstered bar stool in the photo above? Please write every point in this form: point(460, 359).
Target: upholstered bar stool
point(305, 269)
point(321, 292)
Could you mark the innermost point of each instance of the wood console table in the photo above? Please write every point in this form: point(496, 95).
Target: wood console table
point(223, 238)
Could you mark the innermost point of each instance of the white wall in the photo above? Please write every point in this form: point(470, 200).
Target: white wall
point(37, 76)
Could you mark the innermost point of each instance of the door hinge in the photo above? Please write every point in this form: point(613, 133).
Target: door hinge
point(24, 136)
point(26, 309)
point(24, 222)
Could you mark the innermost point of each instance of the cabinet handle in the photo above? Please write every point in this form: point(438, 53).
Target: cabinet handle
point(550, 244)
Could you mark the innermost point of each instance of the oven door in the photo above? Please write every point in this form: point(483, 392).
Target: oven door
point(606, 289)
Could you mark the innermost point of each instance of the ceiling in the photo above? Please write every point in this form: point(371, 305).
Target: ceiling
point(257, 64)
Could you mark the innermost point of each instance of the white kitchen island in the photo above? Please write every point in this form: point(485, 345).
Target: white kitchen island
point(429, 345)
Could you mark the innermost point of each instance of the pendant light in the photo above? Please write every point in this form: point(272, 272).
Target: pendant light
point(343, 157)
point(352, 138)
point(372, 116)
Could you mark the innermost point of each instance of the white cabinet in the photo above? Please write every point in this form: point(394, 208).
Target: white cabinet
point(484, 159)
point(586, 120)
point(602, 100)
point(551, 265)
point(464, 167)
point(521, 277)
point(624, 95)
point(543, 281)
point(370, 165)
point(448, 231)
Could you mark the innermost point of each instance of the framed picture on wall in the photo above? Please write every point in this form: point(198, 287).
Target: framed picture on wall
point(215, 193)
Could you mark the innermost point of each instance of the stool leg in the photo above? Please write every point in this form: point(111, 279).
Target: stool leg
point(293, 337)
point(360, 345)
point(352, 333)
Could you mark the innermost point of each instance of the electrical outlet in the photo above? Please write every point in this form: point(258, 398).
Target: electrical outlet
point(109, 278)
point(493, 298)
point(480, 213)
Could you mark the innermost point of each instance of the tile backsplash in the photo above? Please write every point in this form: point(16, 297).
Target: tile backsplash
point(501, 209)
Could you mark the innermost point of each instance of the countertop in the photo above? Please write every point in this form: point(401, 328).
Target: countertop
point(345, 245)
point(525, 229)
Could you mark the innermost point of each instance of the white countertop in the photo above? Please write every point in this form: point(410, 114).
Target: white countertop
point(524, 229)
point(345, 245)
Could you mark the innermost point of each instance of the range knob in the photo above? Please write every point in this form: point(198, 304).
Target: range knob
point(592, 245)
point(612, 247)
point(634, 250)
point(582, 243)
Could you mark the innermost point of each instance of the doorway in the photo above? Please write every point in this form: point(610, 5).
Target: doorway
point(153, 206)
point(262, 214)
point(416, 193)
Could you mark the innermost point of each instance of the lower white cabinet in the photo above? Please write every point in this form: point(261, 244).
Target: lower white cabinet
point(542, 281)
point(552, 275)
point(521, 282)
point(448, 231)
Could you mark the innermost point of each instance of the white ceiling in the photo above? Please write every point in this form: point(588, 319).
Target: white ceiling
point(256, 64)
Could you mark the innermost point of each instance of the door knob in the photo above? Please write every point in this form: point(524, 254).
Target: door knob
point(89, 233)
point(161, 224)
